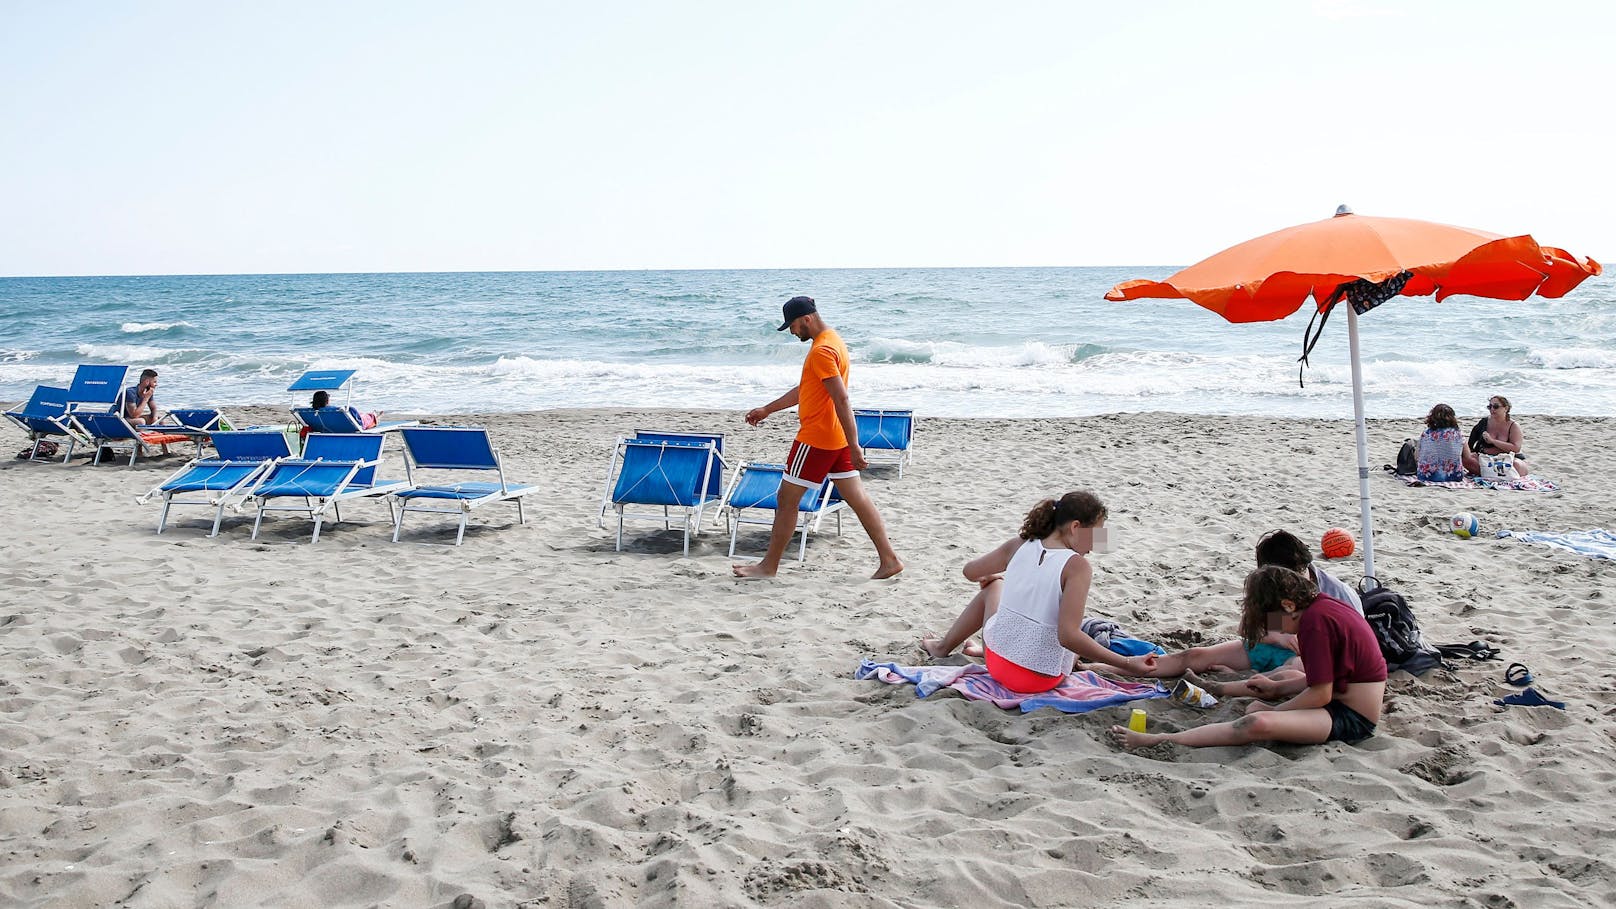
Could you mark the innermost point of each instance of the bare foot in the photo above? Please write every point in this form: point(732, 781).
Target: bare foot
point(1213, 688)
point(974, 648)
point(932, 644)
point(751, 572)
point(888, 569)
point(1130, 740)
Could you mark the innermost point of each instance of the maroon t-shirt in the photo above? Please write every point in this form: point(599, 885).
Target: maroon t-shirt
point(1337, 645)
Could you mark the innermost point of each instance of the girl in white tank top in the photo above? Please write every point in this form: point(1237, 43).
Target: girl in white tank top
point(1033, 590)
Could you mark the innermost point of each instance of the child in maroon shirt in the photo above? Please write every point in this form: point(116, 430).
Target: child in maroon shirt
point(1346, 674)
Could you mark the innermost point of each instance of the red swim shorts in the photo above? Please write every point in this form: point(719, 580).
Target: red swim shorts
point(810, 467)
point(1016, 677)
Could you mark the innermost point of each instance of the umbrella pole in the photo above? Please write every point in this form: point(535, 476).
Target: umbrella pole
point(1368, 535)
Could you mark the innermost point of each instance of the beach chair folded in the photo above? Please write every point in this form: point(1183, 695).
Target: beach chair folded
point(753, 496)
point(241, 458)
point(334, 418)
point(457, 449)
point(44, 415)
point(665, 474)
point(334, 468)
point(111, 430)
point(886, 436)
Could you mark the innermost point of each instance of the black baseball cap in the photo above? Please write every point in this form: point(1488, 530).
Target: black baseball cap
point(796, 308)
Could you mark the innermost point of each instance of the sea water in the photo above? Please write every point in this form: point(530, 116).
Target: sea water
point(1015, 342)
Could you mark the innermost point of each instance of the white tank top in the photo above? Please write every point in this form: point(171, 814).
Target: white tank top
point(1025, 630)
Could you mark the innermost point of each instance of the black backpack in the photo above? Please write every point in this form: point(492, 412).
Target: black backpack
point(1399, 635)
point(1408, 459)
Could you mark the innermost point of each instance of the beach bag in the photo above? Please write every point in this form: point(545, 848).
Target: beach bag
point(1498, 466)
point(44, 448)
point(1399, 635)
point(1408, 459)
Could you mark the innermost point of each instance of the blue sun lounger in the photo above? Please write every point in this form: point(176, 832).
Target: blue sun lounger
point(886, 436)
point(44, 415)
point(332, 470)
point(334, 418)
point(242, 457)
point(453, 448)
point(666, 474)
point(112, 430)
point(756, 488)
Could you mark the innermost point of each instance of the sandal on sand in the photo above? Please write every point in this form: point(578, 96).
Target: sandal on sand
point(1518, 675)
point(1529, 698)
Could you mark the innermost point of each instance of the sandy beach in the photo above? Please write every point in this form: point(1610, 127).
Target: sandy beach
point(533, 719)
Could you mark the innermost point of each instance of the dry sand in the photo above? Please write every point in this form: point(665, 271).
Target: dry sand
point(533, 719)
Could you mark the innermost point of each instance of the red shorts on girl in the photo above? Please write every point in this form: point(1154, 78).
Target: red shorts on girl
point(1017, 677)
point(810, 467)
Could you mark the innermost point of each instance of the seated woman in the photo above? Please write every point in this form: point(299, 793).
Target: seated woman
point(1497, 434)
point(364, 419)
point(1034, 588)
point(1279, 671)
point(1346, 674)
point(1441, 448)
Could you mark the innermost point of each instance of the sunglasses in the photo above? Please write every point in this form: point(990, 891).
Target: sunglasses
point(1494, 406)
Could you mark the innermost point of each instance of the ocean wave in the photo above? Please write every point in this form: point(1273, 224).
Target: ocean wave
point(121, 353)
point(956, 354)
point(1572, 358)
point(137, 328)
point(17, 356)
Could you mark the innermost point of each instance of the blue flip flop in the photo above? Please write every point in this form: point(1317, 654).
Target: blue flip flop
point(1529, 698)
point(1518, 675)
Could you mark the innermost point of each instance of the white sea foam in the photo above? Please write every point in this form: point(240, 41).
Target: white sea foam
point(120, 353)
point(135, 328)
point(953, 353)
point(1572, 358)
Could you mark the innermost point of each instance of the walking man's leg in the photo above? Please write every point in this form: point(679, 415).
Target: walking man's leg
point(852, 489)
point(785, 527)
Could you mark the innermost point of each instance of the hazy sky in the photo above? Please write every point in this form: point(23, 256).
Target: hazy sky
point(207, 137)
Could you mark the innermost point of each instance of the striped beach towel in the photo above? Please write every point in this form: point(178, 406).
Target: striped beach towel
point(1080, 693)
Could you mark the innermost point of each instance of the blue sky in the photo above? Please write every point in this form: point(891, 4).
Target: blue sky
point(190, 137)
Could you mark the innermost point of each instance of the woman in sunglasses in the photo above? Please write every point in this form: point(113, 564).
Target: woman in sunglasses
point(1496, 434)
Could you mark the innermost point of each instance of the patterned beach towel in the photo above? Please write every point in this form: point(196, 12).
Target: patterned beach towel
point(1595, 544)
point(1524, 484)
point(1080, 693)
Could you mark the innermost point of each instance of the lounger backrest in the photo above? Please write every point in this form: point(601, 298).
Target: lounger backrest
point(322, 380)
point(196, 418)
point(665, 473)
point(450, 447)
point(251, 446)
point(45, 402)
point(890, 429)
point(715, 473)
point(331, 418)
point(346, 447)
point(759, 487)
point(109, 426)
point(94, 385)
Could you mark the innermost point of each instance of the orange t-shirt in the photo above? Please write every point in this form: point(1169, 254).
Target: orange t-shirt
point(815, 409)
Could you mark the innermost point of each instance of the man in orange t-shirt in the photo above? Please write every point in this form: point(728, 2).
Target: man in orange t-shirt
point(826, 447)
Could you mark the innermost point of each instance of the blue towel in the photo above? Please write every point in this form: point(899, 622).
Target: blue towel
point(1595, 544)
point(1079, 692)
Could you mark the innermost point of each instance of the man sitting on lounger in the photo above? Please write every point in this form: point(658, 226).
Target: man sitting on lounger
point(140, 400)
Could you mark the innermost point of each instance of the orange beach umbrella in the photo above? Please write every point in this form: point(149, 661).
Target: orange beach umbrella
point(1366, 260)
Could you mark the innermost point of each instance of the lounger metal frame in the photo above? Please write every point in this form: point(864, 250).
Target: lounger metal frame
point(87, 421)
point(220, 498)
point(504, 492)
point(824, 502)
point(44, 414)
point(315, 505)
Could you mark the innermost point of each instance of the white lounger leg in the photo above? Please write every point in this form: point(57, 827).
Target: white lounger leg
point(162, 519)
point(318, 520)
point(218, 517)
point(465, 515)
point(398, 522)
point(521, 516)
point(619, 528)
point(258, 520)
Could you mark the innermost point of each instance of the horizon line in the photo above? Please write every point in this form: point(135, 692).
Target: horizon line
point(517, 271)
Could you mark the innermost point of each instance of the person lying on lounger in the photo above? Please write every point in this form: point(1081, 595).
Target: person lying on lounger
point(365, 419)
point(1346, 674)
point(1279, 671)
point(1034, 588)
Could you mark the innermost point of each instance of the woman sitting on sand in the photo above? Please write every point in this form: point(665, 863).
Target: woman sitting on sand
point(1346, 674)
point(1034, 588)
point(1497, 434)
point(1441, 448)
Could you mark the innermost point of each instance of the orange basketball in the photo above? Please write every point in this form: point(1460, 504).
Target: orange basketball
point(1337, 543)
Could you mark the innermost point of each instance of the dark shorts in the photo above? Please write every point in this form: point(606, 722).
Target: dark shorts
point(809, 467)
point(1347, 725)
